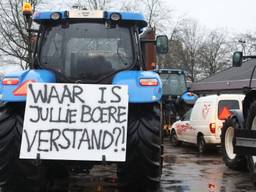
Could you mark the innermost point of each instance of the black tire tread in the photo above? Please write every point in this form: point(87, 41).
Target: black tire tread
point(177, 143)
point(239, 162)
point(199, 139)
point(15, 174)
point(142, 169)
point(250, 116)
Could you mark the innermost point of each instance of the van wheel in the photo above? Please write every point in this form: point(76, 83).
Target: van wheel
point(201, 144)
point(174, 139)
point(231, 160)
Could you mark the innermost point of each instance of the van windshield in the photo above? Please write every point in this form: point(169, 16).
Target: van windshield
point(186, 116)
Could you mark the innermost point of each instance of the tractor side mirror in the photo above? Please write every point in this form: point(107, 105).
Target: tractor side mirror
point(237, 59)
point(162, 44)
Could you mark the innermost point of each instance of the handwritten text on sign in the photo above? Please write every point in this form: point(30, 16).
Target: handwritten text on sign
point(75, 122)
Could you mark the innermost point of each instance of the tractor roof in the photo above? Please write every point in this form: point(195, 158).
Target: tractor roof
point(130, 17)
point(170, 71)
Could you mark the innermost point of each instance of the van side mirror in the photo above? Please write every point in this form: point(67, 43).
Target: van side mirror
point(237, 58)
point(162, 44)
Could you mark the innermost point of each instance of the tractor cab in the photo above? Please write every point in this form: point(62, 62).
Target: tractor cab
point(176, 99)
point(89, 46)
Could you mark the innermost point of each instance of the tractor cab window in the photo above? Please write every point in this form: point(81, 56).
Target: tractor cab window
point(174, 84)
point(86, 50)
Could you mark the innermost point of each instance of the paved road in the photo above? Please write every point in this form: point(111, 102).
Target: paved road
point(184, 171)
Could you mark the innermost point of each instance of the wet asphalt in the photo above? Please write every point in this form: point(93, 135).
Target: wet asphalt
point(184, 170)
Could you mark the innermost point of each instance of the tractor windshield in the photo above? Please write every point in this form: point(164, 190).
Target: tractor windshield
point(173, 84)
point(86, 50)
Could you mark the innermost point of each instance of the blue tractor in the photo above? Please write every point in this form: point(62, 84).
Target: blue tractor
point(86, 47)
point(176, 98)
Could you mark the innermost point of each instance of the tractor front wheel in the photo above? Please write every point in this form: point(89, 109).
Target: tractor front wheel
point(15, 174)
point(251, 125)
point(232, 160)
point(142, 169)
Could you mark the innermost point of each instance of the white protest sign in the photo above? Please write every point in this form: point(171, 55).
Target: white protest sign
point(75, 122)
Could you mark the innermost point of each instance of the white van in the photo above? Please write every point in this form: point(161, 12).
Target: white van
point(202, 124)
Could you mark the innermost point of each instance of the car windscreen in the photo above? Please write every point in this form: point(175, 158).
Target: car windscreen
point(186, 116)
point(86, 50)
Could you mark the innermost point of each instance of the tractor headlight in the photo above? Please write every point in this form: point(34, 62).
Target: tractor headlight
point(115, 17)
point(56, 16)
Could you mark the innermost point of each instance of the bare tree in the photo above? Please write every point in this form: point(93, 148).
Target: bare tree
point(14, 38)
point(214, 53)
point(93, 4)
point(155, 12)
point(191, 37)
point(245, 42)
point(130, 6)
point(173, 59)
point(173, 28)
point(153, 8)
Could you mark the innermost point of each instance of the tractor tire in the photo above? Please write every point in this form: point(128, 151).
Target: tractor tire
point(232, 160)
point(15, 174)
point(174, 140)
point(201, 144)
point(142, 169)
point(251, 125)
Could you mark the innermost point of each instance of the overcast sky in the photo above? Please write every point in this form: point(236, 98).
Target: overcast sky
point(231, 15)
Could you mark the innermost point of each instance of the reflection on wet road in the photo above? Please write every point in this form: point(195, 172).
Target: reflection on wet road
point(100, 179)
point(185, 170)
